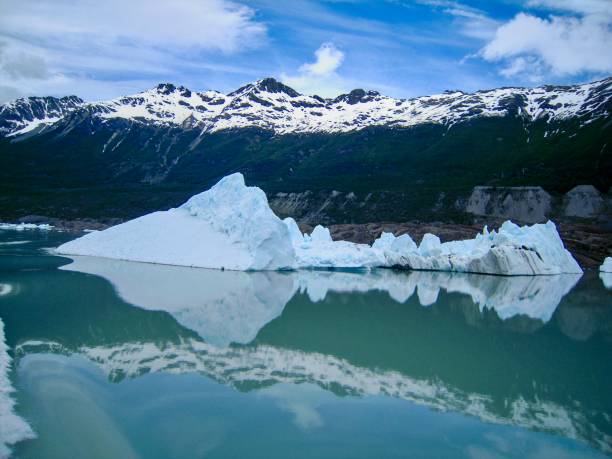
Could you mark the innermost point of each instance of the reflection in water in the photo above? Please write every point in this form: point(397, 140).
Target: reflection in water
point(524, 351)
point(606, 278)
point(289, 328)
point(225, 307)
point(221, 306)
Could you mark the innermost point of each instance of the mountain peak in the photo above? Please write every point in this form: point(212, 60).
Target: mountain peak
point(169, 88)
point(269, 84)
point(356, 96)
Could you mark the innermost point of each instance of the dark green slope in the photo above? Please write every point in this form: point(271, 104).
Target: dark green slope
point(85, 168)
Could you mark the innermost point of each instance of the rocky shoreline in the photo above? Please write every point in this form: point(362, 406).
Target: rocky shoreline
point(589, 243)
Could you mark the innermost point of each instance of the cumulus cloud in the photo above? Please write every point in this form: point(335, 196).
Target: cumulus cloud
point(59, 40)
point(570, 45)
point(320, 77)
point(328, 59)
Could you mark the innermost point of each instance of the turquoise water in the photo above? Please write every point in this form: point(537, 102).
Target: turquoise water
point(119, 360)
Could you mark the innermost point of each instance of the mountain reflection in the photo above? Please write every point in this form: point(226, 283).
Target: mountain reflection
point(492, 347)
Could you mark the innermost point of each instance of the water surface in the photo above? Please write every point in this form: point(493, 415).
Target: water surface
point(119, 359)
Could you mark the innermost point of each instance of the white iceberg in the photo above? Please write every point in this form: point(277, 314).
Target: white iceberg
point(511, 251)
point(605, 273)
point(13, 428)
point(231, 226)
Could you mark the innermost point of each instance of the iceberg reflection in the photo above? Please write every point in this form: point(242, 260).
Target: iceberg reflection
point(226, 307)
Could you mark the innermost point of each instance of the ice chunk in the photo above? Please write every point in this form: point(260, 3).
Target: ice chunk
point(430, 246)
point(384, 241)
point(229, 226)
point(320, 234)
point(294, 231)
point(513, 250)
point(13, 428)
point(606, 272)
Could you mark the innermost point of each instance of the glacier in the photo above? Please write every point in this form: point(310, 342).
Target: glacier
point(231, 226)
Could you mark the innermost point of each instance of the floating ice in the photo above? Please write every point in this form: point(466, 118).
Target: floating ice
point(232, 227)
point(605, 273)
point(25, 226)
point(13, 428)
point(513, 250)
point(229, 226)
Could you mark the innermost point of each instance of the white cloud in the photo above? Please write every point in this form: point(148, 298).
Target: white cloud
point(329, 58)
point(44, 43)
point(211, 24)
point(559, 45)
point(320, 77)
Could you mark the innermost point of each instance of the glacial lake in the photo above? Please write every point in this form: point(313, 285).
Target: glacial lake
point(114, 359)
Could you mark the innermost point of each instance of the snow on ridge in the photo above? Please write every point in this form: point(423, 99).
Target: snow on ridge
point(268, 104)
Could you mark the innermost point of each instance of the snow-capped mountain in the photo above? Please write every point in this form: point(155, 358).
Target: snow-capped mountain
point(24, 115)
point(271, 105)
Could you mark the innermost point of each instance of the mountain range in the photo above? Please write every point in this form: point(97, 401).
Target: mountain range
point(362, 156)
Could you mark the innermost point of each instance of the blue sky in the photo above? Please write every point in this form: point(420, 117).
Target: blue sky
point(402, 48)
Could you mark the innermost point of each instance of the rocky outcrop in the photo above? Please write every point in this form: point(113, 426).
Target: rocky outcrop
point(583, 201)
point(532, 204)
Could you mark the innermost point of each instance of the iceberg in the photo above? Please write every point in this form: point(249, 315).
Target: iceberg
point(605, 273)
point(231, 226)
point(511, 251)
point(13, 428)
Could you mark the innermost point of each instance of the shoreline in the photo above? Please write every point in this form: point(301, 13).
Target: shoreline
point(588, 243)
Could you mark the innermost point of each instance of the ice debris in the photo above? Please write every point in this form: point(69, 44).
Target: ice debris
point(13, 428)
point(231, 226)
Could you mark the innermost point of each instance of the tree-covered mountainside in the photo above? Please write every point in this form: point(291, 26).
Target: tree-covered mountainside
point(87, 165)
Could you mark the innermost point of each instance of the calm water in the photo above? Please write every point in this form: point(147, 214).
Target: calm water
point(122, 360)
